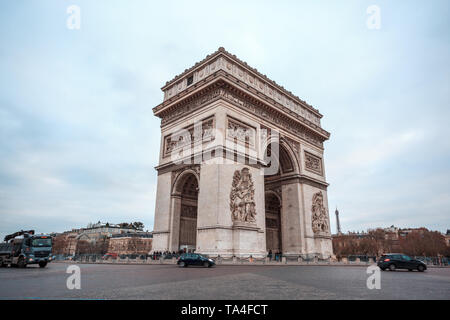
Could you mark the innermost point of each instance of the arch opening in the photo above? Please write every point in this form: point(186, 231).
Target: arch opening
point(188, 189)
point(287, 166)
point(273, 223)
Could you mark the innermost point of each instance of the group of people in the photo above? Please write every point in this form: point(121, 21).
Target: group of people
point(274, 255)
point(158, 254)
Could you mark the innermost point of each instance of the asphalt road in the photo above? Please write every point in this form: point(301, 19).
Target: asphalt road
point(221, 282)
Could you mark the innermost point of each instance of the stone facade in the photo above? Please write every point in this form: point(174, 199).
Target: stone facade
point(245, 156)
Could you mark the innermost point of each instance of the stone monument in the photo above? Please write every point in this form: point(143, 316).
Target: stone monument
point(241, 168)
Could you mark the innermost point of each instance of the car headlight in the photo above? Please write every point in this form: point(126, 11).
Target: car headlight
point(211, 260)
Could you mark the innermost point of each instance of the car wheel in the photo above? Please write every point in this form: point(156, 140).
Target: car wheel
point(392, 267)
point(21, 263)
point(182, 264)
point(383, 269)
point(42, 264)
point(206, 264)
point(420, 268)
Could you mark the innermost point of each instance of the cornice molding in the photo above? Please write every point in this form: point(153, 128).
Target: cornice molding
point(230, 92)
point(248, 74)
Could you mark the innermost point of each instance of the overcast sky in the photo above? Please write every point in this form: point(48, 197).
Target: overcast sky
point(79, 141)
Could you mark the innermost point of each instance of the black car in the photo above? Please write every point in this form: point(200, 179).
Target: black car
point(393, 261)
point(195, 259)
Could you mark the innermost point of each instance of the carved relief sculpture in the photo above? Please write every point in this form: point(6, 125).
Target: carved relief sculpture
point(240, 132)
point(319, 214)
point(313, 163)
point(189, 136)
point(242, 202)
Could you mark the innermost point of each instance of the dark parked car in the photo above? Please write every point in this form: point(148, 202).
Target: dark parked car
point(195, 259)
point(393, 261)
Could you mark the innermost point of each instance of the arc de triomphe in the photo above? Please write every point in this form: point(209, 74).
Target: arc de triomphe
point(241, 167)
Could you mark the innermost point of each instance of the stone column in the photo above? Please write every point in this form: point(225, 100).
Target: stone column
point(291, 226)
point(174, 237)
point(162, 213)
point(217, 233)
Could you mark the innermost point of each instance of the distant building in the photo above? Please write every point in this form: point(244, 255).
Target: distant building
point(94, 239)
point(100, 230)
point(447, 238)
point(131, 243)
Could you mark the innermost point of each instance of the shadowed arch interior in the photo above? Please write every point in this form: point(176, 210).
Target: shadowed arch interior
point(273, 223)
point(286, 164)
point(188, 189)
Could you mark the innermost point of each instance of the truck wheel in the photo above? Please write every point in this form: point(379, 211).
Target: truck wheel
point(42, 264)
point(21, 263)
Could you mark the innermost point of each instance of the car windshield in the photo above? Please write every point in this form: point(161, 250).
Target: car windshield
point(405, 257)
point(41, 242)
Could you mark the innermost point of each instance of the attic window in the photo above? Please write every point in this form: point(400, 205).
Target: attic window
point(190, 80)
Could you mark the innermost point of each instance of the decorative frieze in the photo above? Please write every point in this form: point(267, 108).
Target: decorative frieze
point(191, 106)
point(271, 116)
point(189, 136)
point(242, 197)
point(222, 60)
point(237, 130)
point(263, 112)
point(313, 163)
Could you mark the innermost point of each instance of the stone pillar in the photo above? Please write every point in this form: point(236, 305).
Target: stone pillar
point(315, 242)
point(175, 212)
point(216, 231)
point(162, 213)
point(291, 228)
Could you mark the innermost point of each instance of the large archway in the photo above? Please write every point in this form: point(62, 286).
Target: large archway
point(188, 191)
point(273, 222)
point(275, 215)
